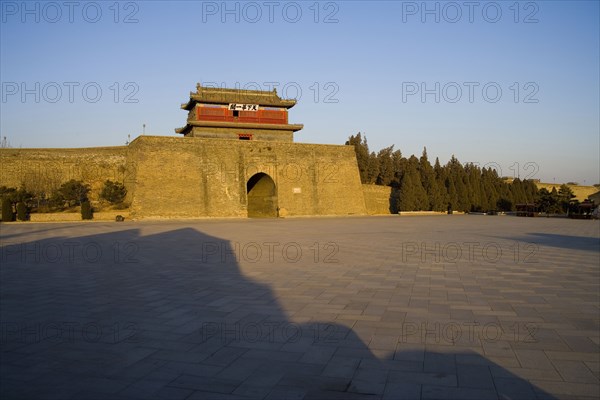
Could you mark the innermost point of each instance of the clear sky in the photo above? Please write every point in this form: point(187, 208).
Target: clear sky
point(514, 85)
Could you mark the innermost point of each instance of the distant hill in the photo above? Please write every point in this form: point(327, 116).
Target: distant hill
point(581, 192)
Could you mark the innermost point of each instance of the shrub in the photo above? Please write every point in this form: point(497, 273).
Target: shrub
point(113, 192)
point(504, 204)
point(23, 196)
point(86, 210)
point(8, 193)
point(72, 192)
point(7, 210)
point(21, 211)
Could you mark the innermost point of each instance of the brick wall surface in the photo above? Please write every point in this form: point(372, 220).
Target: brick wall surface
point(43, 170)
point(195, 177)
point(377, 199)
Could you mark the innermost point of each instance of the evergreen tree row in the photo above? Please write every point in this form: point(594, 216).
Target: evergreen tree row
point(419, 186)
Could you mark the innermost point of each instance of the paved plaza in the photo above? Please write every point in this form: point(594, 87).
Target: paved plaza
point(440, 307)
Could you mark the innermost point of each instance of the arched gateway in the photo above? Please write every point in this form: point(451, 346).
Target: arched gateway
point(262, 196)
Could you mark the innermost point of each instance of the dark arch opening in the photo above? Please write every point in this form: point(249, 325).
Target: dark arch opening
point(262, 196)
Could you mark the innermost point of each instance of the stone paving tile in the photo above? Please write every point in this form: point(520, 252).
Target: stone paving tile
point(423, 378)
point(85, 395)
point(581, 344)
point(320, 355)
point(359, 352)
point(327, 394)
point(534, 359)
point(566, 388)
point(594, 367)
point(392, 365)
point(286, 393)
point(369, 381)
point(474, 376)
point(410, 352)
point(383, 342)
point(171, 393)
point(525, 373)
point(267, 375)
point(341, 367)
point(169, 355)
point(164, 375)
point(512, 388)
point(105, 386)
point(272, 355)
point(176, 367)
point(136, 371)
point(500, 349)
point(204, 395)
point(144, 388)
point(441, 392)
point(224, 356)
point(442, 363)
point(249, 390)
point(241, 369)
point(372, 325)
point(212, 385)
point(402, 391)
point(575, 371)
point(572, 356)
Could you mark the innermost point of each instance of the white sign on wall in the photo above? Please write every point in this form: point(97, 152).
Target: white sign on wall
point(297, 190)
point(243, 107)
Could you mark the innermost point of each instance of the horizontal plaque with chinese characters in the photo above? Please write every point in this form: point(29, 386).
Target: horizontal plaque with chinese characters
point(243, 107)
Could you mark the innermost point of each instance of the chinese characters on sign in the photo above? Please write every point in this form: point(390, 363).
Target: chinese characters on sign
point(243, 107)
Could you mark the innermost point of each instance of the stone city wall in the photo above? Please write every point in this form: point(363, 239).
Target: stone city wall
point(377, 199)
point(174, 177)
point(43, 170)
point(197, 177)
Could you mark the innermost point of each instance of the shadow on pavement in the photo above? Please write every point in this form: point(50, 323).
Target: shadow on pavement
point(170, 316)
point(566, 241)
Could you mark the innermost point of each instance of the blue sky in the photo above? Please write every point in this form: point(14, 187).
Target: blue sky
point(514, 85)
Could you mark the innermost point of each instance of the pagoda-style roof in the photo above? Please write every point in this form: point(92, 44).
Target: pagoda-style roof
point(213, 95)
